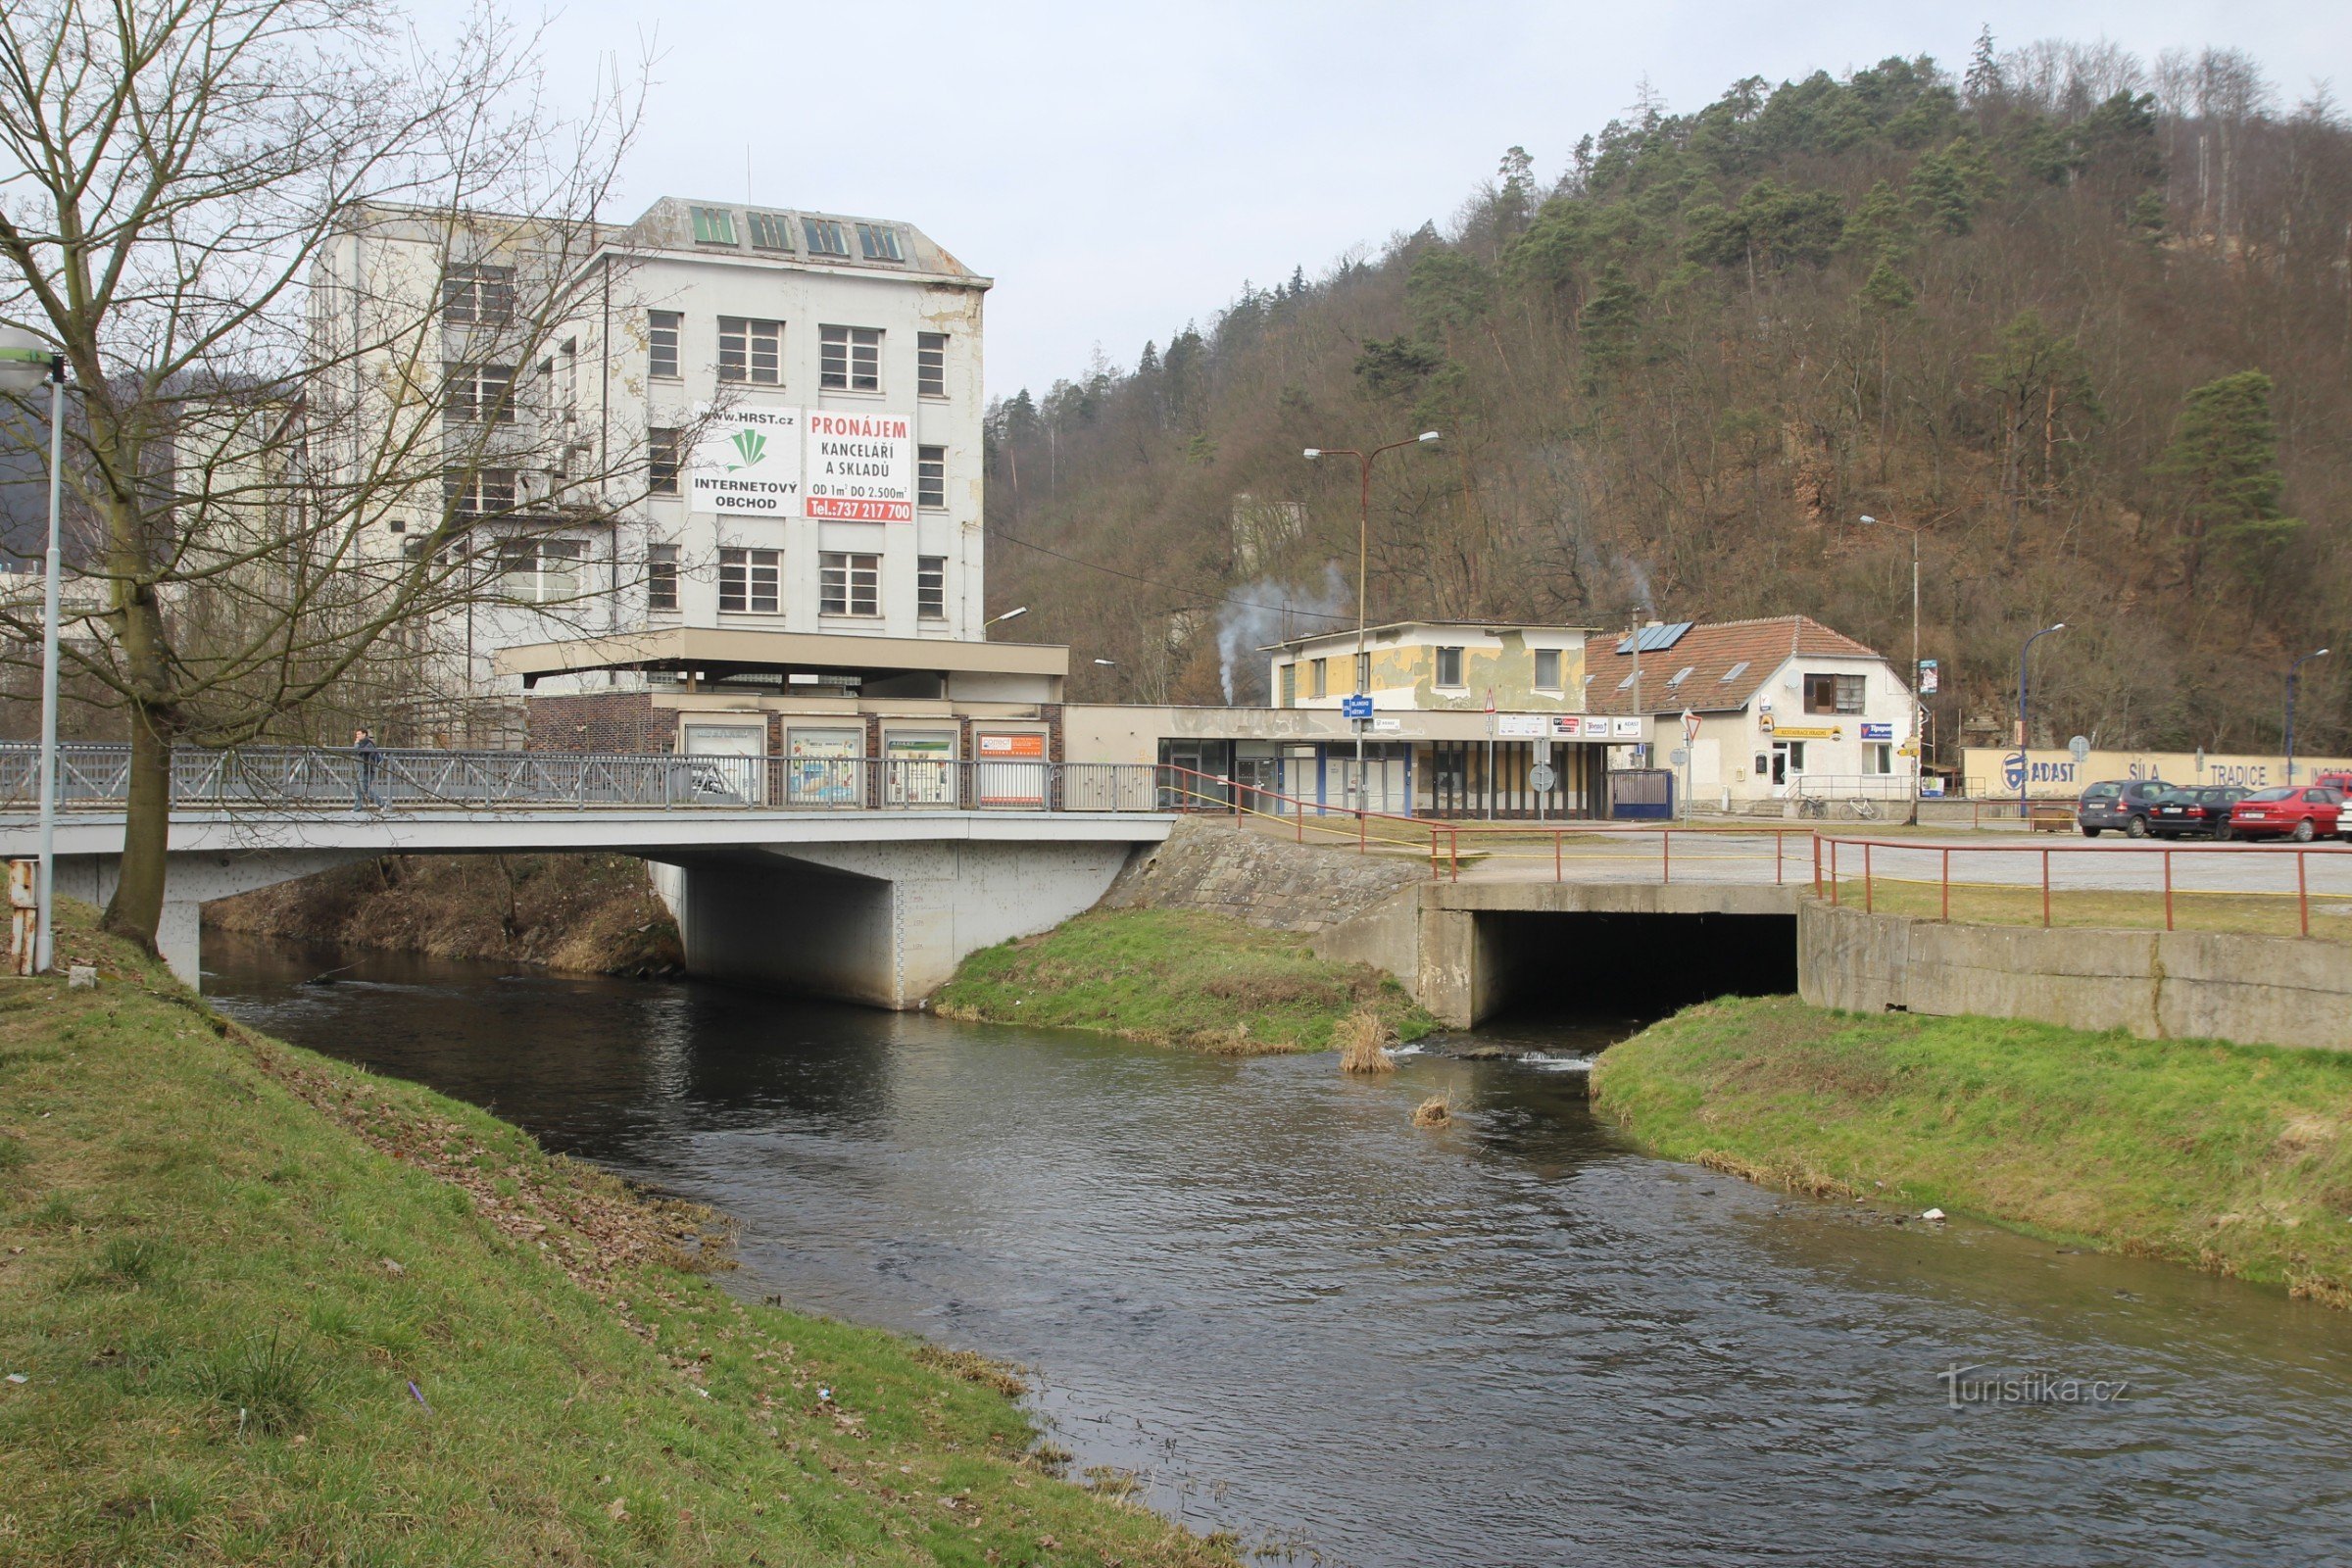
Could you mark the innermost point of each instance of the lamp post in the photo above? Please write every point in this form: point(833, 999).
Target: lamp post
point(1363, 551)
point(2024, 768)
point(24, 364)
point(1919, 746)
point(2291, 671)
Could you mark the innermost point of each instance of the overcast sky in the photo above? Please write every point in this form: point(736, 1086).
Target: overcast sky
point(1120, 169)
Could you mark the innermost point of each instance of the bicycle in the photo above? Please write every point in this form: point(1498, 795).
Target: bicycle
point(1865, 809)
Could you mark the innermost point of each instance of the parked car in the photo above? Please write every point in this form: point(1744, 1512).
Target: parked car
point(2336, 780)
point(2123, 804)
point(2300, 811)
point(2188, 811)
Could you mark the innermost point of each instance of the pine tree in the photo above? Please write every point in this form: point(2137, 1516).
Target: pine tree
point(2224, 460)
point(1982, 85)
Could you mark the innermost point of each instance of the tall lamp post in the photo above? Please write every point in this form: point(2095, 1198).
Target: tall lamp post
point(24, 364)
point(2025, 769)
point(1363, 551)
point(1919, 744)
point(2291, 672)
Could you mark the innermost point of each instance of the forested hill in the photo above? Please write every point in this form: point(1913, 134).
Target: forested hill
point(2085, 322)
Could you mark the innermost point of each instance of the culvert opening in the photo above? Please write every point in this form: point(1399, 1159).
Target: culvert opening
point(1634, 968)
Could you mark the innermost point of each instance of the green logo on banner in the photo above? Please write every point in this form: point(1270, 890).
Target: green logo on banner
point(751, 443)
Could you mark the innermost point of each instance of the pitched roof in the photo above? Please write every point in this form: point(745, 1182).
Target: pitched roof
point(1729, 661)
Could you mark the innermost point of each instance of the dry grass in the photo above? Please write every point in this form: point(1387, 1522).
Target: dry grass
point(1362, 1037)
point(1435, 1111)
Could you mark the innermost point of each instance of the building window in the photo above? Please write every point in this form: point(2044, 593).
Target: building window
point(748, 580)
point(769, 232)
point(931, 476)
point(1449, 667)
point(825, 237)
point(479, 296)
point(712, 226)
point(1548, 670)
point(1364, 673)
point(1288, 694)
point(478, 492)
point(541, 572)
point(662, 460)
point(879, 242)
point(751, 351)
point(850, 358)
point(478, 393)
point(662, 577)
point(931, 364)
point(931, 587)
point(1834, 694)
point(1318, 676)
point(662, 329)
point(1882, 759)
point(849, 584)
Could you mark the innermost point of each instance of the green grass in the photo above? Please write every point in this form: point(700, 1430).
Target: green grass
point(1175, 977)
point(2266, 914)
point(2233, 1158)
point(270, 1309)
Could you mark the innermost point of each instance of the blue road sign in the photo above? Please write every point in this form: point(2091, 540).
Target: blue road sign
point(1358, 706)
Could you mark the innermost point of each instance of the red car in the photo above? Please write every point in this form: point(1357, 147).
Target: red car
point(2301, 812)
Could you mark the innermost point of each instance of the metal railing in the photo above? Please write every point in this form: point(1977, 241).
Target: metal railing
point(297, 777)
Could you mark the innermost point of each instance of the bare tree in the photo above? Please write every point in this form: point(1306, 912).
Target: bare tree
point(320, 399)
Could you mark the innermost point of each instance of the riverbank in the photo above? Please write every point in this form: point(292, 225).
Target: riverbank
point(1176, 977)
point(589, 913)
point(2236, 1159)
point(257, 1306)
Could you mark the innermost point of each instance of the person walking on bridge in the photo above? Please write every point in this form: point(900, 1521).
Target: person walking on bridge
point(369, 757)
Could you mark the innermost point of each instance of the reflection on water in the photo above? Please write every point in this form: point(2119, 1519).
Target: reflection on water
point(1510, 1341)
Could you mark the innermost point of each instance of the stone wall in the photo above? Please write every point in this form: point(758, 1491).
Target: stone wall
point(2159, 985)
point(1207, 864)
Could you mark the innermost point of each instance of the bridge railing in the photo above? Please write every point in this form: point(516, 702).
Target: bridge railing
point(277, 777)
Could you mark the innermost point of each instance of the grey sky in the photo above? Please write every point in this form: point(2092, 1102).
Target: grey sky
point(1119, 169)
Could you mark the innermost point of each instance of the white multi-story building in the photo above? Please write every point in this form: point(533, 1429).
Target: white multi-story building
point(718, 419)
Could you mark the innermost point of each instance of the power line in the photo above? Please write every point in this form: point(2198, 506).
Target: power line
point(1153, 582)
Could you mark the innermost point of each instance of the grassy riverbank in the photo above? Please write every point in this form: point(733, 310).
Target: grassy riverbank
point(2234, 1158)
point(267, 1308)
point(1176, 977)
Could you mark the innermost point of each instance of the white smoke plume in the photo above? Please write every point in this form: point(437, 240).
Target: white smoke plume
point(1267, 612)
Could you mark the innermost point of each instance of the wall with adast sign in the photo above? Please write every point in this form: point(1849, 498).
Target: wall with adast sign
point(769, 462)
point(2050, 773)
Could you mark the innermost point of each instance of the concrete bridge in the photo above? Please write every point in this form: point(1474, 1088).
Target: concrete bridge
point(859, 878)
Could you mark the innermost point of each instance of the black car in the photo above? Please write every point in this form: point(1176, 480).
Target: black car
point(2188, 811)
point(2120, 804)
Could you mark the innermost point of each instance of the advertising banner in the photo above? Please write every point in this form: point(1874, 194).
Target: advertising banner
point(1520, 726)
point(860, 467)
point(748, 462)
point(2051, 773)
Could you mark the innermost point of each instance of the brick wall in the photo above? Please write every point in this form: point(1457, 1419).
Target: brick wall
point(600, 721)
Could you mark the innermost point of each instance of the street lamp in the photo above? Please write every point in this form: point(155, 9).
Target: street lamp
point(1364, 538)
point(1919, 744)
point(2025, 735)
point(2291, 669)
point(24, 364)
point(1013, 614)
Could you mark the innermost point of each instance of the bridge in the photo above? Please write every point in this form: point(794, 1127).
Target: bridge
point(863, 878)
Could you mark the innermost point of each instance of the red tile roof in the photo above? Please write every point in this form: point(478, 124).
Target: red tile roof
point(1713, 652)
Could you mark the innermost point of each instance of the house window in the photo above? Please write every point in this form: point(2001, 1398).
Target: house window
point(931, 364)
point(479, 296)
point(825, 237)
point(930, 476)
point(662, 329)
point(1548, 670)
point(769, 232)
point(1364, 673)
point(879, 242)
point(849, 584)
point(541, 572)
point(1317, 678)
point(931, 587)
point(1288, 694)
point(1834, 694)
point(662, 460)
point(850, 358)
point(750, 350)
point(1882, 759)
point(662, 577)
point(477, 492)
point(712, 226)
point(748, 580)
point(1450, 666)
point(478, 393)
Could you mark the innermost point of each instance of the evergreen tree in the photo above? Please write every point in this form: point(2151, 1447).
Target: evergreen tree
point(1982, 85)
point(2224, 465)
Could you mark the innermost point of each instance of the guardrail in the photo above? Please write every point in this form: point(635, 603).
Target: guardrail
point(97, 777)
point(2237, 887)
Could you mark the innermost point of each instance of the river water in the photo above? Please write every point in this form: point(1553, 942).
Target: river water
point(1511, 1341)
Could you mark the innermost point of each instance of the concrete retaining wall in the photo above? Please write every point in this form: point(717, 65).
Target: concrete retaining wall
point(2159, 985)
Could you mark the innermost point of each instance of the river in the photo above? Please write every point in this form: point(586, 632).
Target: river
point(1510, 1341)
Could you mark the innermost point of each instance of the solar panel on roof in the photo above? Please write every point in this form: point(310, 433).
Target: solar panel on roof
point(1654, 638)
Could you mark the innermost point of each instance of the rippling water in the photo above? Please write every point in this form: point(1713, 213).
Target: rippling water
point(1512, 1341)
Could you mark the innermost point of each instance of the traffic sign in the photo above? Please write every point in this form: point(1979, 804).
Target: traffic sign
point(1689, 725)
point(2079, 748)
point(1541, 778)
point(1357, 706)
